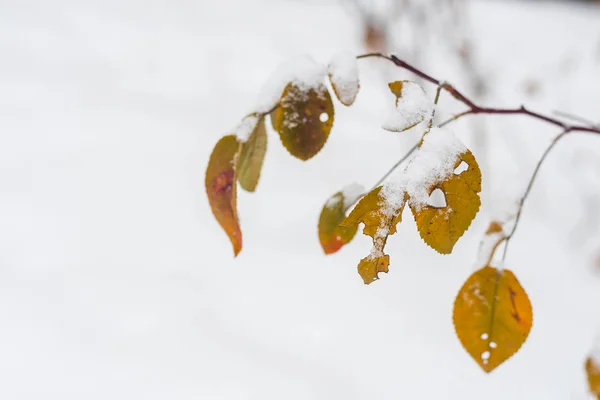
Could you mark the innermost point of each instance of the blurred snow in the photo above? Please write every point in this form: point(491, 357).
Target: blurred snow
point(116, 282)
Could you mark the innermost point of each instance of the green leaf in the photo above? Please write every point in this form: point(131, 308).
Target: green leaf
point(252, 156)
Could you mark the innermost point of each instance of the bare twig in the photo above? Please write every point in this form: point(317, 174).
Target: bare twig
point(529, 186)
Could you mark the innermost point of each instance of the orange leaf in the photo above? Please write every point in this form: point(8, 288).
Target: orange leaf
point(380, 218)
point(593, 376)
point(221, 185)
point(331, 235)
point(304, 119)
point(492, 316)
point(441, 227)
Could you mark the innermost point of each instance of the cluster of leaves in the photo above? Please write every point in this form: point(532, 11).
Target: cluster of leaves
point(492, 313)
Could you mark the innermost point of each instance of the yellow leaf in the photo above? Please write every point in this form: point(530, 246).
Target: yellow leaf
point(331, 235)
point(492, 316)
point(220, 182)
point(380, 218)
point(303, 119)
point(593, 376)
point(370, 266)
point(441, 227)
point(252, 156)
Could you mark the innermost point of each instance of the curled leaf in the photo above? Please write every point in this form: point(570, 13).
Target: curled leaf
point(492, 316)
point(592, 369)
point(304, 119)
point(252, 156)
point(380, 217)
point(343, 75)
point(412, 106)
point(331, 235)
point(220, 182)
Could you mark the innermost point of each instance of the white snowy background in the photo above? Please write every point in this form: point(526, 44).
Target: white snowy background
point(116, 282)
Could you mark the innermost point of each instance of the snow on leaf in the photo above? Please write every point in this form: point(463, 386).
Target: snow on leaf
point(592, 369)
point(343, 74)
point(433, 168)
point(304, 119)
point(252, 156)
point(380, 218)
point(492, 316)
point(412, 106)
point(331, 235)
point(220, 182)
point(302, 71)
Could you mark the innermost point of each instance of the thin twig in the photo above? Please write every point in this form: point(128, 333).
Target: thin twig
point(396, 165)
point(529, 186)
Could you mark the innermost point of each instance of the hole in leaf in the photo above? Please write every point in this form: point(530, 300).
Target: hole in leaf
point(463, 166)
point(484, 336)
point(485, 356)
point(493, 345)
point(324, 117)
point(437, 199)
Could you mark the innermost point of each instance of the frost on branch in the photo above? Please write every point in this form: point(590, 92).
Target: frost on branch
point(592, 369)
point(380, 217)
point(492, 316)
point(331, 235)
point(220, 183)
point(343, 74)
point(252, 155)
point(435, 167)
point(412, 107)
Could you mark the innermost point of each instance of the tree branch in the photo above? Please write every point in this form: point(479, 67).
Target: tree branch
point(476, 109)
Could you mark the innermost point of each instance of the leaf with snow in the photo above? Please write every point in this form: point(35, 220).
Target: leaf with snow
point(304, 119)
point(302, 71)
point(592, 369)
point(331, 235)
point(380, 211)
point(343, 75)
point(252, 154)
point(492, 316)
point(220, 183)
point(412, 106)
point(433, 167)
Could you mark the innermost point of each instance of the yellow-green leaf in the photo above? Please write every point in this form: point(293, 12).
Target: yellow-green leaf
point(380, 218)
point(252, 156)
point(304, 119)
point(441, 227)
point(592, 369)
point(220, 182)
point(492, 316)
point(331, 235)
